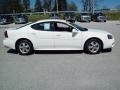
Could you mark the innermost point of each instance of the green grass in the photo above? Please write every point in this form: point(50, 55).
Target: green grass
point(113, 16)
point(33, 18)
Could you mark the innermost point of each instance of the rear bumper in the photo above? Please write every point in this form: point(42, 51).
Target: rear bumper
point(9, 43)
point(20, 22)
point(86, 20)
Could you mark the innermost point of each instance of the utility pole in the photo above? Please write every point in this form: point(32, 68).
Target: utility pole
point(57, 6)
point(93, 4)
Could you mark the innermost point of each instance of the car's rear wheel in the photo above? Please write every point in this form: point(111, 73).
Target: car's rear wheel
point(93, 46)
point(24, 47)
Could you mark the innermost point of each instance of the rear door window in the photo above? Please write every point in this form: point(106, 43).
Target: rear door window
point(42, 26)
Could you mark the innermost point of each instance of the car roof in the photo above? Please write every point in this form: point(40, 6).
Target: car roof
point(51, 20)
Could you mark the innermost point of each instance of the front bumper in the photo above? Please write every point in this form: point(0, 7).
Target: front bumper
point(109, 44)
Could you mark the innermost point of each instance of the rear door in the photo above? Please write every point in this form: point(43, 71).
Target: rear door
point(43, 35)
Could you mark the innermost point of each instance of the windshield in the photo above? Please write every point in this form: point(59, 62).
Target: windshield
point(100, 14)
point(78, 27)
point(84, 13)
point(54, 14)
point(70, 14)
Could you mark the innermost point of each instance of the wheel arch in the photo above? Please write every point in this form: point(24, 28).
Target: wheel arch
point(93, 38)
point(23, 39)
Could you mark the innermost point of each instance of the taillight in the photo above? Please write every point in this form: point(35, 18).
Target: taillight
point(6, 34)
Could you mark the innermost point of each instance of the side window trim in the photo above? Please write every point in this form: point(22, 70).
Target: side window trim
point(40, 29)
point(65, 24)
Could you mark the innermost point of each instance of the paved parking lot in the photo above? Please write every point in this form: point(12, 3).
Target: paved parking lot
point(62, 70)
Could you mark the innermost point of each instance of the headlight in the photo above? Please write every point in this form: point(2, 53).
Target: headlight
point(109, 36)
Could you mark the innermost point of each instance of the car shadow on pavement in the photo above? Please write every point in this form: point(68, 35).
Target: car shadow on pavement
point(59, 52)
point(11, 51)
point(106, 50)
point(117, 24)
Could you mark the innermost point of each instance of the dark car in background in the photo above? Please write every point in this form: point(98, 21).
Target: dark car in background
point(21, 19)
point(70, 16)
point(99, 17)
point(6, 19)
point(54, 16)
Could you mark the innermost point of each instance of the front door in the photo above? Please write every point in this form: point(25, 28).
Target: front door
point(64, 38)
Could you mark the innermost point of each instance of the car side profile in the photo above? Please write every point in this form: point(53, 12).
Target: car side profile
point(54, 34)
point(85, 17)
point(99, 17)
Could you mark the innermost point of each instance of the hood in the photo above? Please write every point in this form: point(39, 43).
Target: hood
point(98, 31)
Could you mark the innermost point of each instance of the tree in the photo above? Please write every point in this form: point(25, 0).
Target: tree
point(3, 4)
point(72, 6)
point(62, 5)
point(90, 5)
point(38, 6)
point(55, 6)
point(47, 5)
point(26, 5)
point(13, 6)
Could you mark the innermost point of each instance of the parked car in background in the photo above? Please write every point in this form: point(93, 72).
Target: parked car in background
point(54, 16)
point(99, 17)
point(70, 16)
point(85, 17)
point(6, 19)
point(21, 19)
point(54, 34)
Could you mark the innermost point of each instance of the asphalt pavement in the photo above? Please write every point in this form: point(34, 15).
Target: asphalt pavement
point(62, 70)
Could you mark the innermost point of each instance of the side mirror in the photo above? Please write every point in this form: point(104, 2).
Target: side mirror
point(74, 32)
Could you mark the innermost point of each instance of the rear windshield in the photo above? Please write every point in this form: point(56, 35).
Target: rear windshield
point(100, 14)
point(24, 25)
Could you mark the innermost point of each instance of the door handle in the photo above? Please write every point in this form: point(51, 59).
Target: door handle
point(58, 35)
point(33, 33)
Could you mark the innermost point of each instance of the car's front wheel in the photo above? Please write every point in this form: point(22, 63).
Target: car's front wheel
point(93, 46)
point(24, 47)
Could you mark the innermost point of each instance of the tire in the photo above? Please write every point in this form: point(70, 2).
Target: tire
point(93, 46)
point(24, 47)
point(105, 21)
point(73, 21)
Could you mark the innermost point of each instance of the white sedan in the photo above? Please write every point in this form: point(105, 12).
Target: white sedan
point(54, 34)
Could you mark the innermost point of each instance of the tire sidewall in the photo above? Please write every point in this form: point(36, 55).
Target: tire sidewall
point(87, 44)
point(29, 43)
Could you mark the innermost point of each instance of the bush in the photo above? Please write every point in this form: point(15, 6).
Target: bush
point(33, 18)
point(113, 16)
